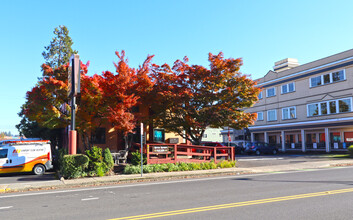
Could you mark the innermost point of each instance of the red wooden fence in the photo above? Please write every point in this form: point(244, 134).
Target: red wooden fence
point(174, 153)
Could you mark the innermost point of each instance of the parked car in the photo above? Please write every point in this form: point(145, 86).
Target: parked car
point(238, 147)
point(260, 148)
point(214, 144)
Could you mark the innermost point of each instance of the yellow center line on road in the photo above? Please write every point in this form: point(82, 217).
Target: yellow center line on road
point(237, 204)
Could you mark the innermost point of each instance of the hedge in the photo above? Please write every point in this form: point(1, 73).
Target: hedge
point(170, 167)
point(96, 163)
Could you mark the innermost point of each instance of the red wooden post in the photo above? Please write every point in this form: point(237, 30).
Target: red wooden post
point(215, 154)
point(148, 153)
point(232, 153)
point(175, 153)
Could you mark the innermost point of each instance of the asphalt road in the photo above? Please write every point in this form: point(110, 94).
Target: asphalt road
point(25, 177)
point(245, 161)
point(317, 194)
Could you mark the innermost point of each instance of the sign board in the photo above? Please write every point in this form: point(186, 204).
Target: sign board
point(335, 145)
point(293, 145)
point(349, 139)
point(315, 145)
point(159, 149)
point(74, 75)
point(69, 81)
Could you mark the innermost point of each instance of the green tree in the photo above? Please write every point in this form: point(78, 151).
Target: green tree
point(57, 53)
point(60, 48)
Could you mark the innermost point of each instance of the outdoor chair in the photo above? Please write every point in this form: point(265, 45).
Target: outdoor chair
point(121, 156)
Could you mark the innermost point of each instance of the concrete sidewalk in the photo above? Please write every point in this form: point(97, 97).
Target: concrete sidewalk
point(92, 181)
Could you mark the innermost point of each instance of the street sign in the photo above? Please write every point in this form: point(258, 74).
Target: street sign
point(74, 76)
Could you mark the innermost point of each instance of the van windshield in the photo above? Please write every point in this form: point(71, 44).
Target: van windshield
point(3, 153)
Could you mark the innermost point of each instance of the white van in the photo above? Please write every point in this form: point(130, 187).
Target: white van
point(25, 156)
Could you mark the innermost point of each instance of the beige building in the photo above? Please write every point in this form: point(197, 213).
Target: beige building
point(306, 107)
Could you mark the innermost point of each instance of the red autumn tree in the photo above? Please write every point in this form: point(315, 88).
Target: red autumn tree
point(122, 91)
point(47, 105)
point(191, 98)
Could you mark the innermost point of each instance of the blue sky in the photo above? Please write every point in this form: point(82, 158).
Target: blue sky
point(261, 32)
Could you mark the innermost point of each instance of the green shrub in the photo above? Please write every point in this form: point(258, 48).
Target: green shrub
point(73, 166)
point(131, 169)
point(157, 168)
point(95, 154)
point(99, 164)
point(148, 168)
point(226, 164)
point(194, 166)
point(205, 166)
point(350, 151)
point(136, 158)
point(212, 165)
point(170, 167)
point(59, 155)
point(183, 166)
point(108, 159)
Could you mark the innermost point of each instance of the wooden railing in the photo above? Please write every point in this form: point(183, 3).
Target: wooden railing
point(174, 153)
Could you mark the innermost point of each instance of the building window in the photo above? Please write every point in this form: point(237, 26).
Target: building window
point(330, 107)
point(260, 116)
point(204, 136)
point(344, 105)
point(271, 115)
point(270, 92)
point(316, 81)
point(158, 135)
point(328, 78)
point(313, 109)
point(289, 113)
point(323, 108)
point(260, 95)
point(287, 88)
point(98, 136)
point(338, 76)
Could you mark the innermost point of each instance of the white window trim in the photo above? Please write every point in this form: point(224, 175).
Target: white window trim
point(258, 116)
point(328, 107)
point(274, 89)
point(331, 78)
point(287, 85)
point(268, 111)
point(295, 112)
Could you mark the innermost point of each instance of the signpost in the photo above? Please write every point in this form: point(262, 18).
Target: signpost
point(74, 77)
point(141, 148)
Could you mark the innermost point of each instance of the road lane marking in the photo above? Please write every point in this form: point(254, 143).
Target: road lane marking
point(7, 207)
point(87, 199)
point(237, 204)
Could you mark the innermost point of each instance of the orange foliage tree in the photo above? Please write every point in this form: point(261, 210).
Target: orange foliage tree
point(47, 102)
point(123, 91)
point(191, 98)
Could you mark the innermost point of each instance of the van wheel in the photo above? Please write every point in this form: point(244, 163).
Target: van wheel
point(39, 169)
